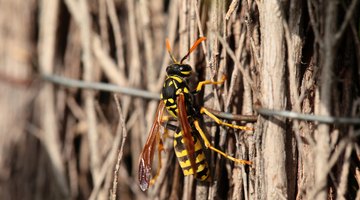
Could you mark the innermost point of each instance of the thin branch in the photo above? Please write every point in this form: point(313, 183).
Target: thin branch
point(172, 31)
point(80, 12)
point(233, 57)
point(201, 32)
point(103, 25)
point(121, 133)
point(333, 160)
point(234, 4)
point(145, 24)
point(349, 14)
point(235, 74)
point(120, 154)
point(107, 64)
point(115, 23)
point(314, 24)
point(48, 23)
point(343, 185)
point(134, 57)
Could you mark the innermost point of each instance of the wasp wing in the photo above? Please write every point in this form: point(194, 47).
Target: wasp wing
point(186, 129)
point(147, 154)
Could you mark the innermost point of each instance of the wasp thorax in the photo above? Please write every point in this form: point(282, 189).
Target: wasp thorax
point(182, 70)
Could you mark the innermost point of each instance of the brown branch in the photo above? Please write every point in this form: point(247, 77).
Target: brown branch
point(117, 35)
point(172, 32)
point(103, 24)
point(83, 20)
point(314, 24)
point(120, 154)
point(107, 63)
point(145, 19)
point(327, 54)
point(46, 50)
point(348, 17)
point(134, 62)
point(231, 53)
point(234, 4)
point(201, 32)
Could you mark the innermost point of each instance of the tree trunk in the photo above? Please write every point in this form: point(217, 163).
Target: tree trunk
point(272, 95)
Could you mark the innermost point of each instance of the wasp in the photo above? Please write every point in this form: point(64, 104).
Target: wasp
point(177, 103)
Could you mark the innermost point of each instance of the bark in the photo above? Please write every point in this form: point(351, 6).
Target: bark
point(272, 76)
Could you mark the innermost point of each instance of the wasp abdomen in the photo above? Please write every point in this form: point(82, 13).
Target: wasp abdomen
point(202, 168)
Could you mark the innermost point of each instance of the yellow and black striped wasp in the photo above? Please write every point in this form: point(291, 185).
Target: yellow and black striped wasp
point(178, 101)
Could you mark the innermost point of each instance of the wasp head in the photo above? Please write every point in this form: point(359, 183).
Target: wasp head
point(182, 70)
point(178, 68)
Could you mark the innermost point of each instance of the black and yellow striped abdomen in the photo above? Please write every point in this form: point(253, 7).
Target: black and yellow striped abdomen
point(202, 171)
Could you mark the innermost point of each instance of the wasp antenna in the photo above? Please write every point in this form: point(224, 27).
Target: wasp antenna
point(193, 48)
point(169, 51)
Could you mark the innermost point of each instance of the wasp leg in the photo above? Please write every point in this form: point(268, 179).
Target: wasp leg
point(160, 149)
point(206, 82)
point(210, 146)
point(218, 121)
point(167, 118)
point(164, 122)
